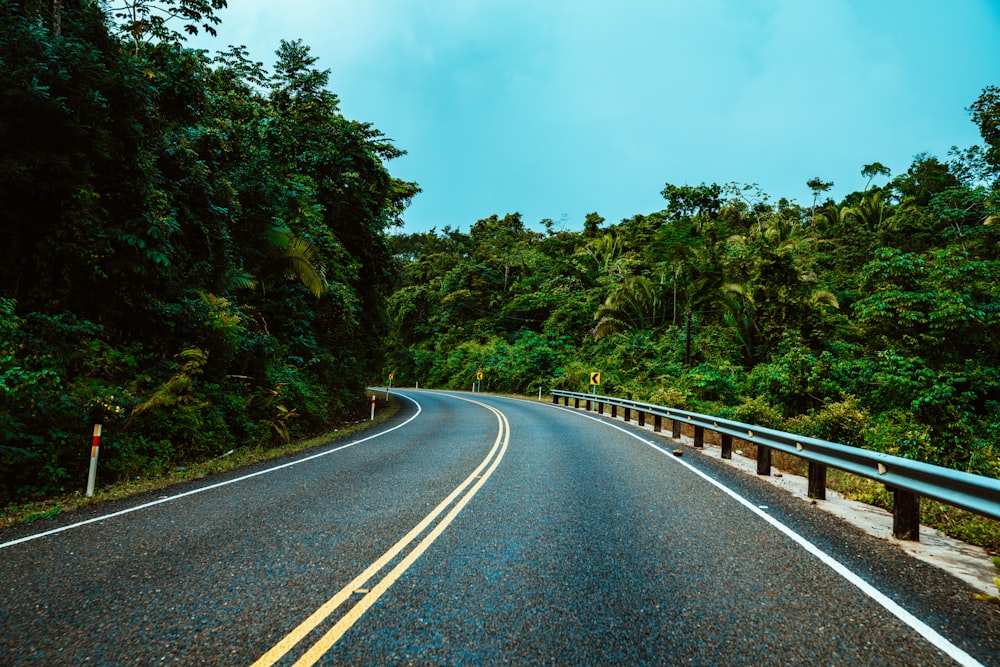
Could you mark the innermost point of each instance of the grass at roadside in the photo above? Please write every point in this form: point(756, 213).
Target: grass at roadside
point(43, 509)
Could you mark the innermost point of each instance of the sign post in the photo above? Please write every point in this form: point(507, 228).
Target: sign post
point(479, 382)
point(94, 450)
point(389, 386)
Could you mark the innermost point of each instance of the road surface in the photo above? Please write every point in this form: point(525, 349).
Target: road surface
point(478, 530)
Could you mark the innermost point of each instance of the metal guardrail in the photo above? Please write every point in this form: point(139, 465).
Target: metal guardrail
point(907, 479)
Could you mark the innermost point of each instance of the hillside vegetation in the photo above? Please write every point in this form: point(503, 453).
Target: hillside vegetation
point(199, 254)
point(194, 247)
point(871, 321)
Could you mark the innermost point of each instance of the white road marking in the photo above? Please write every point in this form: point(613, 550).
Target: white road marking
point(927, 632)
point(203, 489)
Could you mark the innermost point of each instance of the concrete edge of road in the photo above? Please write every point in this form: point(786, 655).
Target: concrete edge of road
point(966, 562)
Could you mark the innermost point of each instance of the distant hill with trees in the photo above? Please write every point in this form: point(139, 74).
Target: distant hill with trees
point(871, 321)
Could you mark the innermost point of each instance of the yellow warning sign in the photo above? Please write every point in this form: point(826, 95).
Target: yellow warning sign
point(595, 378)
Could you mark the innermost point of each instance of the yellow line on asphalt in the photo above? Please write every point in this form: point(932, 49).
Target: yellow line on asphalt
point(324, 644)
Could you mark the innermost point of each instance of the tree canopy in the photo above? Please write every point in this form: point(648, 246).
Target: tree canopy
point(195, 247)
point(202, 252)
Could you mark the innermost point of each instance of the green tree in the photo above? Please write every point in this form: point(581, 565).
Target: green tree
point(636, 303)
point(818, 186)
point(986, 114)
point(870, 171)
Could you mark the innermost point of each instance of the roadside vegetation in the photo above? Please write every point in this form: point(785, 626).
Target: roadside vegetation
point(155, 480)
point(870, 321)
point(194, 252)
point(203, 255)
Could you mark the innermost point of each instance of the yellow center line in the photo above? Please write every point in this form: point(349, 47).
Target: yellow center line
point(294, 637)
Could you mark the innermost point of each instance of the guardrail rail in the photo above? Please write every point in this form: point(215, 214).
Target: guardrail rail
point(905, 478)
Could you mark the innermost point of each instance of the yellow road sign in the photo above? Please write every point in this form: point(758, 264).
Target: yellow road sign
point(595, 378)
point(479, 375)
point(392, 376)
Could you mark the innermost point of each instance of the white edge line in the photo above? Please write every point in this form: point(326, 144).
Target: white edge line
point(929, 633)
point(213, 486)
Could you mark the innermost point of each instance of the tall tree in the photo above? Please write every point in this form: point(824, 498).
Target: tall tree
point(986, 114)
point(818, 186)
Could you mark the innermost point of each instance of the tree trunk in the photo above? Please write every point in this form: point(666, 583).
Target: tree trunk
point(57, 6)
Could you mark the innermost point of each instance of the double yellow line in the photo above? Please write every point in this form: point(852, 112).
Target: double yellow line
point(456, 500)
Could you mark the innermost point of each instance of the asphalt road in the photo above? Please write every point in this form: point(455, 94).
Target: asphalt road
point(478, 530)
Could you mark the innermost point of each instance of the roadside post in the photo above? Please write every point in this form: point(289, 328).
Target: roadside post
point(94, 449)
point(595, 379)
point(388, 387)
point(373, 407)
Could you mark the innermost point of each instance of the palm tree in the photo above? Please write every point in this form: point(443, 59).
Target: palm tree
point(740, 313)
point(291, 257)
point(295, 258)
point(605, 250)
point(871, 212)
point(822, 297)
point(830, 217)
point(635, 303)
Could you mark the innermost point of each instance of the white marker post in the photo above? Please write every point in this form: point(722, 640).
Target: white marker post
point(94, 449)
point(373, 407)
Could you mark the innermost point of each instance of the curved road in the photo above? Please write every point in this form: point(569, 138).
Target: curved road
point(478, 530)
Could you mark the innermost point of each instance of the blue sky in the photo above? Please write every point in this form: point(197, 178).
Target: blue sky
point(556, 108)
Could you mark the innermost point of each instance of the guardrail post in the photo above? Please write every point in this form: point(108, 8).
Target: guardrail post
point(614, 412)
point(905, 515)
point(641, 416)
point(763, 460)
point(628, 414)
point(588, 405)
point(727, 446)
point(817, 480)
point(555, 399)
point(657, 423)
point(675, 428)
point(576, 402)
point(699, 436)
point(600, 408)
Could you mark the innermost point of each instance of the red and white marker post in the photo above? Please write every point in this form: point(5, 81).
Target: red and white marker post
point(373, 407)
point(94, 449)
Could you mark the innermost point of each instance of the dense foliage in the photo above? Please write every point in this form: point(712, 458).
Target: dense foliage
point(194, 251)
point(871, 321)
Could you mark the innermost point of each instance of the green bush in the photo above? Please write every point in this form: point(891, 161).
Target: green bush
point(757, 411)
point(843, 421)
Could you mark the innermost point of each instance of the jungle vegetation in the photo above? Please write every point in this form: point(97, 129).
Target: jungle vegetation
point(194, 247)
point(872, 321)
point(203, 253)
